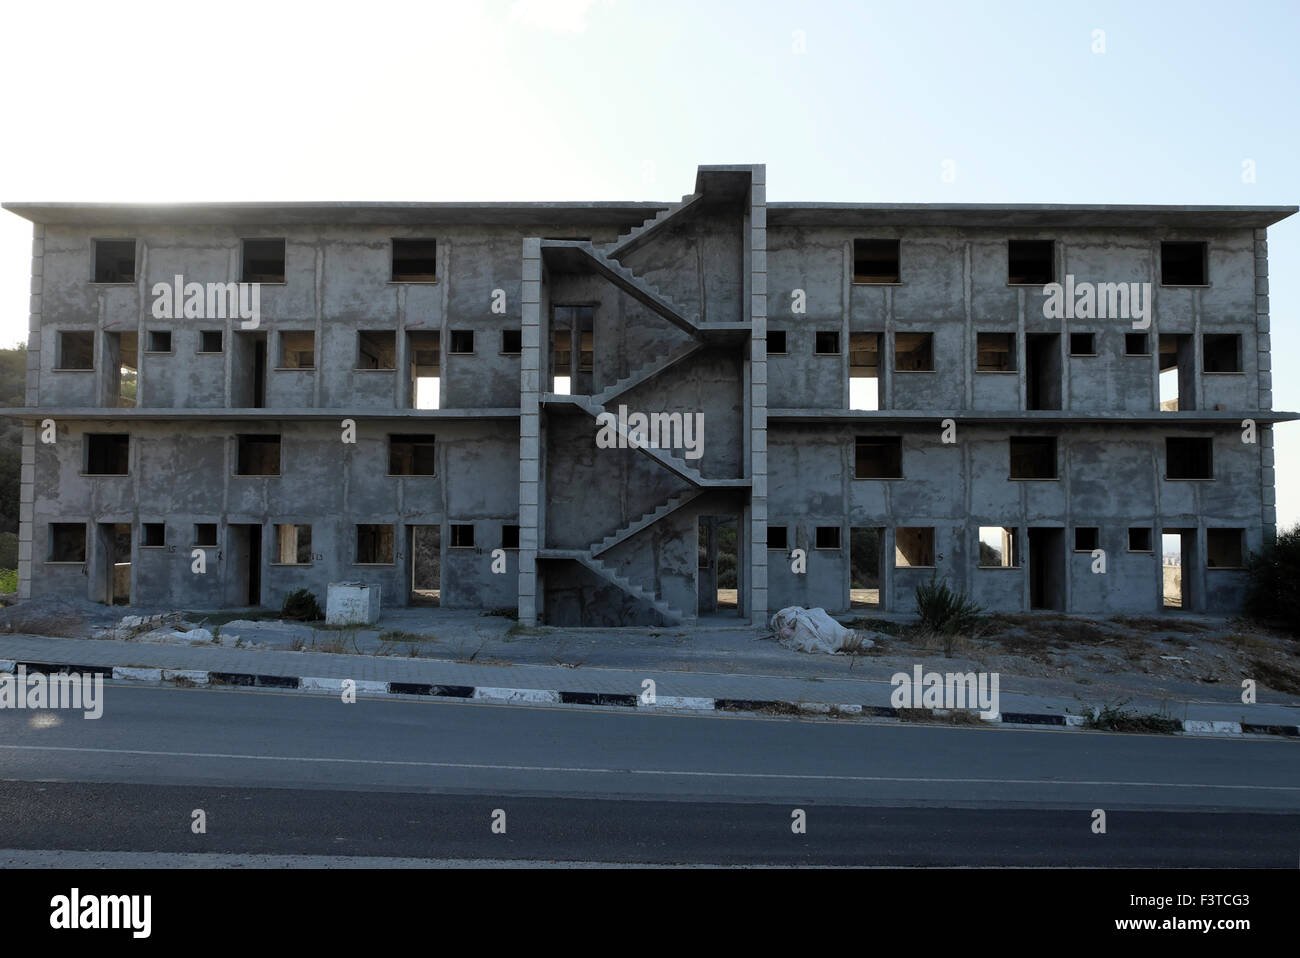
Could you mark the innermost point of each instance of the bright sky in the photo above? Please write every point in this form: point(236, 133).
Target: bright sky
point(622, 99)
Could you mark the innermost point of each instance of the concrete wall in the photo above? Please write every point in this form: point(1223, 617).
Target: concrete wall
point(954, 285)
point(184, 477)
point(1103, 482)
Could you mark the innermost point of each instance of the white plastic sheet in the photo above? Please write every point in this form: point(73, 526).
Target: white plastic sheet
point(812, 630)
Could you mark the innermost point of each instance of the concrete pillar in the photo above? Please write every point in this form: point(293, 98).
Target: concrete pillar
point(756, 594)
point(530, 433)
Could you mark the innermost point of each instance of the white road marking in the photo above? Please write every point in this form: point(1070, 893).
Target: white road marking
point(667, 773)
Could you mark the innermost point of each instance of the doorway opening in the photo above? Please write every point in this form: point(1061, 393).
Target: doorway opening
point(424, 350)
point(865, 549)
point(424, 546)
point(572, 350)
point(115, 553)
point(246, 564)
point(864, 371)
point(248, 371)
point(1042, 371)
point(1047, 569)
point(1177, 551)
point(1177, 372)
point(121, 359)
point(719, 576)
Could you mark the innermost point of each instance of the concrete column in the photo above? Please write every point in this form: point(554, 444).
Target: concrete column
point(530, 433)
point(757, 594)
point(27, 485)
point(1267, 473)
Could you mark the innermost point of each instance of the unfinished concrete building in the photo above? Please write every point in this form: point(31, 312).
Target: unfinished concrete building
point(840, 402)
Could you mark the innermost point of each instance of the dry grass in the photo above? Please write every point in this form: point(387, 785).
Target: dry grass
point(1148, 624)
point(1280, 678)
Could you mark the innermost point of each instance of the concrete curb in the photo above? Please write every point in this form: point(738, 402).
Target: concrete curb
point(662, 703)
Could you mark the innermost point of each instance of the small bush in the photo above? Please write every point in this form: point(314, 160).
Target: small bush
point(944, 611)
point(1116, 718)
point(8, 551)
point(1271, 596)
point(8, 581)
point(302, 606)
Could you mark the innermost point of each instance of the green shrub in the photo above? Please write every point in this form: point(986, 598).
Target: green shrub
point(8, 550)
point(8, 581)
point(1271, 595)
point(301, 605)
point(944, 611)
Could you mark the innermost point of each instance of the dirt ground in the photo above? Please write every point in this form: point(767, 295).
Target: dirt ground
point(1174, 653)
point(1189, 649)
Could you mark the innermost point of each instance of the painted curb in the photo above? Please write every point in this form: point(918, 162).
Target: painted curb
point(121, 672)
point(677, 703)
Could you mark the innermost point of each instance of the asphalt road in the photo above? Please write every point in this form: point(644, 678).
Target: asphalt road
point(292, 773)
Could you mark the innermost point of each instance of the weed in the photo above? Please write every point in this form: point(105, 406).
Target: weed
point(394, 636)
point(943, 610)
point(1116, 718)
point(302, 606)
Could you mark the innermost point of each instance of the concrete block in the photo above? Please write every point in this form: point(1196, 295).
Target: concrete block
point(530, 696)
point(352, 603)
point(126, 673)
point(194, 676)
point(686, 702)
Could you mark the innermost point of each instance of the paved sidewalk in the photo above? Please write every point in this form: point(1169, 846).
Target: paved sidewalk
point(373, 673)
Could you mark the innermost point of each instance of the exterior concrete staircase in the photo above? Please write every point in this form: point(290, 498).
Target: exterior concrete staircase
point(646, 373)
point(635, 238)
point(684, 319)
point(664, 457)
point(650, 518)
point(605, 261)
point(669, 613)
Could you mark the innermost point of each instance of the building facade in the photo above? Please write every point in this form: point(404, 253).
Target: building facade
point(641, 413)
